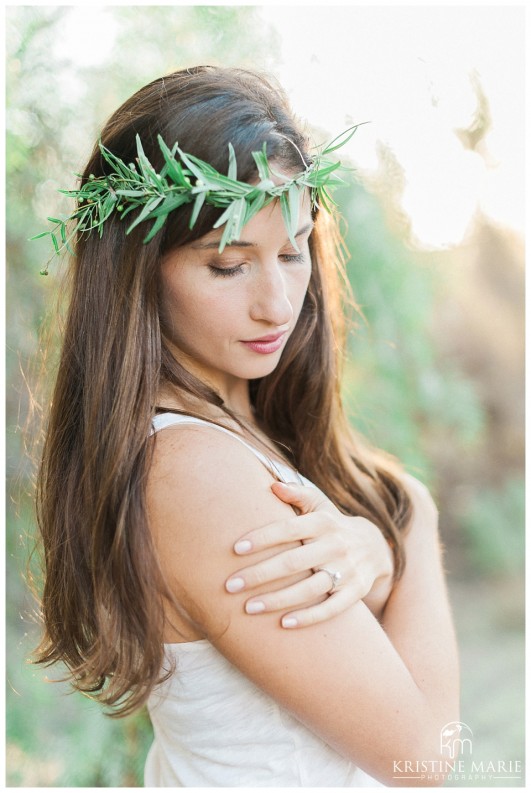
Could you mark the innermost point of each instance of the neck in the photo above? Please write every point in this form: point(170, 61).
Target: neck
point(235, 399)
point(234, 391)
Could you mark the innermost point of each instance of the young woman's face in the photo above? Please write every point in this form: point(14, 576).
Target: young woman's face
point(229, 315)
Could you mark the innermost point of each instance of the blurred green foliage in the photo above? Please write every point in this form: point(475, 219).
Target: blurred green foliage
point(406, 388)
point(502, 551)
point(398, 391)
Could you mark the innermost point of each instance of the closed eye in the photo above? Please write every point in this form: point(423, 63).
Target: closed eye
point(224, 271)
point(292, 257)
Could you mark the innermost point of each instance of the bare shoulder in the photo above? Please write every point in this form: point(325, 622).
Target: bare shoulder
point(205, 489)
point(422, 537)
point(188, 443)
point(193, 461)
point(423, 503)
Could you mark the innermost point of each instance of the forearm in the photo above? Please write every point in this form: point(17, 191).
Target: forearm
point(417, 619)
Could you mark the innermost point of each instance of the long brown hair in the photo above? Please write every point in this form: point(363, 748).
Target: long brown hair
point(102, 601)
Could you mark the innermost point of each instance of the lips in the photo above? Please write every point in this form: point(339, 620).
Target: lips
point(272, 337)
point(266, 344)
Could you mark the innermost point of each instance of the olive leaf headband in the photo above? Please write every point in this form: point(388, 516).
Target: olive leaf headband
point(185, 179)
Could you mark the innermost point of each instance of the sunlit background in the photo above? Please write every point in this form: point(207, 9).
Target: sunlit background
point(434, 223)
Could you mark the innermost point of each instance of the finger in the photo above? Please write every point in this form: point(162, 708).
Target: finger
point(305, 498)
point(331, 607)
point(302, 527)
point(282, 565)
point(297, 594)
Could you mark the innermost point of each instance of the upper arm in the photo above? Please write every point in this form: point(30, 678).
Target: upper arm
point(343, 678)
point(422, 543)
point(206, 489)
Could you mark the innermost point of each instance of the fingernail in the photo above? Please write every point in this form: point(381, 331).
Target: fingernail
point(255, 607)
point(289, 622)
point(242, 546)
point(235, 584)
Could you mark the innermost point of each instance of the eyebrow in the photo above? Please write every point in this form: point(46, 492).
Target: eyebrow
point(242, 243)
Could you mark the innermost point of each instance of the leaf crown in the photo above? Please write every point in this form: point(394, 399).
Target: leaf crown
point(186, 179)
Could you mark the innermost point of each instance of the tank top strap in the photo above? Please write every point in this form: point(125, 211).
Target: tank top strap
point(280, 471)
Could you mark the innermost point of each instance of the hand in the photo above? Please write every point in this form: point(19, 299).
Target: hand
point(351, 546)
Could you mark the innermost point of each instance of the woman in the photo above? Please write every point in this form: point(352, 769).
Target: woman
point(217, 542)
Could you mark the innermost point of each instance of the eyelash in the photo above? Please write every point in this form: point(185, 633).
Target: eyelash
point(295, 258)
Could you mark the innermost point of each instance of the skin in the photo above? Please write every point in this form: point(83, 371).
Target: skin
point(375, 678)
point(211, 303)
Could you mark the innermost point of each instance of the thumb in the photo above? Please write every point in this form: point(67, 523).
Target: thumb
point(305, 498)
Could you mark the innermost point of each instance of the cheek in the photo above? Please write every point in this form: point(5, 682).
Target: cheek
point(194, 314)
point(222, 309)
point(299, 289)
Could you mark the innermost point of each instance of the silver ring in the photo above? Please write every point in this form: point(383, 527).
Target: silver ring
point(335, 578)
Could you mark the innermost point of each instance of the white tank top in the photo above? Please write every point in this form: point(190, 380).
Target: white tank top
point(214, 728)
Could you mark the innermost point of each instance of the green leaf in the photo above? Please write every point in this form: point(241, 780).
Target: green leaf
point(170, 203)
point(145, 212)
point(226, 237)
point(343, 139)
point(294, 198)
point(235, 223)
point(224, 217)
point(211, 178)
point(255, 206)
point(239, 217)
point(174, 169)
point(145, 166)
point(262, 164)
point(233, 169)
point(328, 196)
point(323, 196)
point(108, 206)
point(199, 201)
point(129, 209)
point(155, 228)
point(130, 193)
point(197, 172)
point(321, 175)
point(114, 161)
point(38, 236)
point(286, 214)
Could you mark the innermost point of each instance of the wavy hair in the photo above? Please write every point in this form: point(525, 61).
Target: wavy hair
point(103, 593)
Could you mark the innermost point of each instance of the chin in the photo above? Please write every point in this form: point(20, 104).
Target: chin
point(259, 369)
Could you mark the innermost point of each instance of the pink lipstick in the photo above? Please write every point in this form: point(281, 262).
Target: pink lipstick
point(266, 344)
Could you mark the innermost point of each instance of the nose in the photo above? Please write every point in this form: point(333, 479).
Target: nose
point(270, 299)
